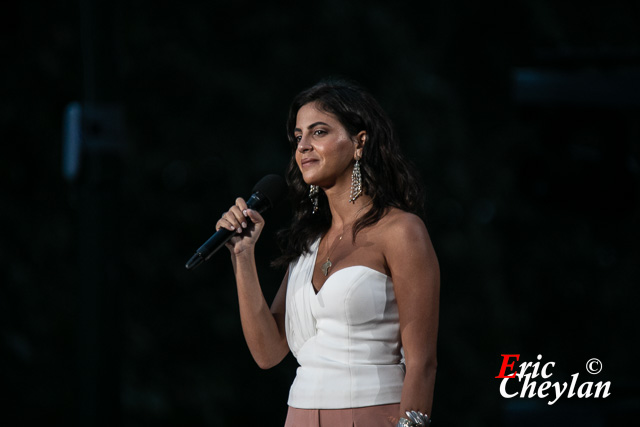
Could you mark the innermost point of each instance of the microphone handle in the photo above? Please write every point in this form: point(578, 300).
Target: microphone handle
point(214, 243)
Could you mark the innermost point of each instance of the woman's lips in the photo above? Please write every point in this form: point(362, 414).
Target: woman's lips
point(307, 162)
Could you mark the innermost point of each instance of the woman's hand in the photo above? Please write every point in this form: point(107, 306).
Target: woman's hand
point(246, 223)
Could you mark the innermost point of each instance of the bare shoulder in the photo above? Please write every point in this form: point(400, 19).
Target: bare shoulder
point(399, 225)
point(406, 242)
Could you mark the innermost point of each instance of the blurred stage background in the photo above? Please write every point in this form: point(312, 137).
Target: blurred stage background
point(521, 116)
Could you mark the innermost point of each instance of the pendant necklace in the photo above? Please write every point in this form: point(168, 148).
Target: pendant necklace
point(327, 264)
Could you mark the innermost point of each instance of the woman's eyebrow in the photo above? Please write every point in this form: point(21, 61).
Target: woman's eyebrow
point(311, 126)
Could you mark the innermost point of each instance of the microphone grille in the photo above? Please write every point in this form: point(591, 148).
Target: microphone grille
point(273, 187)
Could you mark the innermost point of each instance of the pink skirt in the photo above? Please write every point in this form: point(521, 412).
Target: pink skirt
point(368, 416)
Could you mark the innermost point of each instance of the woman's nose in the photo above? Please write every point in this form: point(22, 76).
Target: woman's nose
point(303, 145)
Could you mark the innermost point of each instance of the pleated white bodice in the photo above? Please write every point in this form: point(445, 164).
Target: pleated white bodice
point(346, 337)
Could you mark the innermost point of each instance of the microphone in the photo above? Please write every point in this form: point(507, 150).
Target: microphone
point(266, 194)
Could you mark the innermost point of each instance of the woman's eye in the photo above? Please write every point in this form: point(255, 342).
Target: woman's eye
point(319, 132)
point(297, 138)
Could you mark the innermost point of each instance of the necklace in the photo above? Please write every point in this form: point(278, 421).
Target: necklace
point(327, 264)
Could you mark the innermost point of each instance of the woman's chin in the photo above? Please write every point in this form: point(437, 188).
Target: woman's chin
point(310, 179)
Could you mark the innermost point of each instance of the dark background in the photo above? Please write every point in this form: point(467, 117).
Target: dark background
point(522, 117)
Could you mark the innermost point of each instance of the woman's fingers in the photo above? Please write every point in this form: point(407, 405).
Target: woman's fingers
point(245, 222)
point(236, 218)
point(226, 223)
point(230, 221)
point(239, 217)
point(236, 215)
point(241, 204)
point(254, 216)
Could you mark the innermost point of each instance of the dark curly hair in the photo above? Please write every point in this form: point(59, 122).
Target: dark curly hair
point(387, 177)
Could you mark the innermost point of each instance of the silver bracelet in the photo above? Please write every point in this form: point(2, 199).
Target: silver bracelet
point(416, 419)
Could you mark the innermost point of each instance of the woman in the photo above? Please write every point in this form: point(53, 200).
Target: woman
point(358, 306)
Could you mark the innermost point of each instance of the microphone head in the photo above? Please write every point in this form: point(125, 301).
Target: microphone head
point(272, 187)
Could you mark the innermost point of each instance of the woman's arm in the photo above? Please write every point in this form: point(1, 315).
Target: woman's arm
point(416, 279)
point(263, 327)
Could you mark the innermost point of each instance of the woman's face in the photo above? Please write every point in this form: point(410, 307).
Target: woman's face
point(325, 150)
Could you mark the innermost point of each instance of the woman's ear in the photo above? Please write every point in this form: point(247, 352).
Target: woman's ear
point(361, 140)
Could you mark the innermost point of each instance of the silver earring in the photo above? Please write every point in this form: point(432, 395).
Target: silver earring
point(356, 183)
point(314, 190)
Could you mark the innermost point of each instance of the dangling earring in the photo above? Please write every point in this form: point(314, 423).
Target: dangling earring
point(314, 190)
point(356, 182)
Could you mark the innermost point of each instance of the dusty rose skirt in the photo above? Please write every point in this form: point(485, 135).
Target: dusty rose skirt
point(369, 416)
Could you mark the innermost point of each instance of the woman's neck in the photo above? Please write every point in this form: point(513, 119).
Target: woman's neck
point(343, 212)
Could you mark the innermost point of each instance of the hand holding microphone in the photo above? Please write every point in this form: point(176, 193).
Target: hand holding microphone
point(266, 193)
point(244, 222)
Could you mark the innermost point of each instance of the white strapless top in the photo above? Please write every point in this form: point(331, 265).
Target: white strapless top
point(346, 337)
